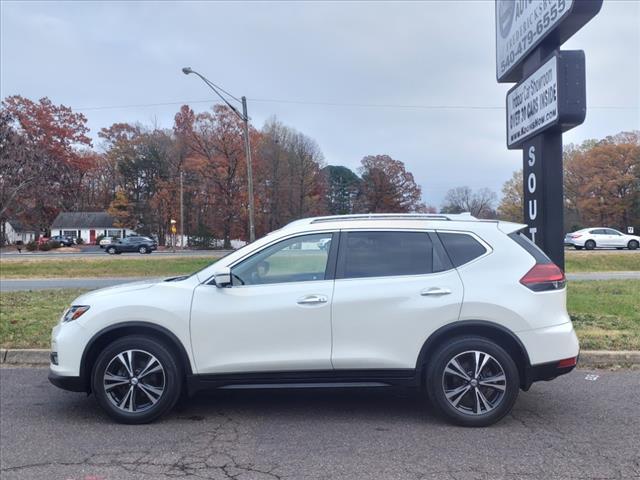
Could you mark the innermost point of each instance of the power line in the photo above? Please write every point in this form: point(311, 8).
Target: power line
point(333, 104)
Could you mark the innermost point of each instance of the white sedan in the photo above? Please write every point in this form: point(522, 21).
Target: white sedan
point(591, 238)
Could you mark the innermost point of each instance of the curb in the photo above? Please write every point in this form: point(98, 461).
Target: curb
point(588, 358)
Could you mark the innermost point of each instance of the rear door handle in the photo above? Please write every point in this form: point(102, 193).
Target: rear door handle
point(312, 300)
point(435, 291)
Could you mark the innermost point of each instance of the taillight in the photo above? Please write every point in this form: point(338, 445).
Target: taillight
point(575, 236)
point(567, 362)
point(543, 277)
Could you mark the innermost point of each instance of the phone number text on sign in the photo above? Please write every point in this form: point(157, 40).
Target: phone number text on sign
point(521, 25)
point(533, 105)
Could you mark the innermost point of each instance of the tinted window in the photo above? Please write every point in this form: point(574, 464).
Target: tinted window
point(535, 251)
point(298, 259)
point(612, 232)
point(382, 254)
point(462, 248)
point(599, 231)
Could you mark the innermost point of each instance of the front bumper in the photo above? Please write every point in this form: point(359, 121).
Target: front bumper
point(73, 384)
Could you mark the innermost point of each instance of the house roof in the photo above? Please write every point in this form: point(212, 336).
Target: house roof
point(83, 220)
point(20, 226)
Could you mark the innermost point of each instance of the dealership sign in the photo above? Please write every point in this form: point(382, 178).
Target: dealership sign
point(521, 25)
point(552, 96)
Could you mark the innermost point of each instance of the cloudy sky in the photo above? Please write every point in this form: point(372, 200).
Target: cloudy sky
point(414, 80)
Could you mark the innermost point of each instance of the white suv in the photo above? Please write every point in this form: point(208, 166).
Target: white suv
point(469, 310)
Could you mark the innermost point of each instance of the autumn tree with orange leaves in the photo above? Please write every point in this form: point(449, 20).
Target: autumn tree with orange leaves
point(387, 187)
point(602, 181)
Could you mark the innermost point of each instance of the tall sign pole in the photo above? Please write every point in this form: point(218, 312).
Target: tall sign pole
point(548, 99)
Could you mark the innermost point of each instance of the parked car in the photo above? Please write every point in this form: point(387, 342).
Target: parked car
point(62, 240)
point(132, 244)
point(470, 311)
point(601, 237)
point(106, 241)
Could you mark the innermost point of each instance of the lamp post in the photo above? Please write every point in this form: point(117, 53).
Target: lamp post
point(247, 149)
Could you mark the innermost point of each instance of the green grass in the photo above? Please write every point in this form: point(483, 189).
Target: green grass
point(605, 314)
point(26, 318)
point(156, 266)
point(102, 267)
point(602, 261)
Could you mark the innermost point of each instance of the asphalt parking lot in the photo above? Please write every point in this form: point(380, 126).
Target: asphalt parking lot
point(577, 427)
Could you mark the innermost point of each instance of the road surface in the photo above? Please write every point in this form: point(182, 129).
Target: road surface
point(93, 251)
point(576, 427)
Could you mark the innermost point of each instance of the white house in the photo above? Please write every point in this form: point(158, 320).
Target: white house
point(16, 231)
point(87, 225)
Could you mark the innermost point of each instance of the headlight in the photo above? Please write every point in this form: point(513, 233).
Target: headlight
point(74, 312)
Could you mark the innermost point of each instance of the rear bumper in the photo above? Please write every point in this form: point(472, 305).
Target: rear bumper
point(543, 372)
point(73, 384)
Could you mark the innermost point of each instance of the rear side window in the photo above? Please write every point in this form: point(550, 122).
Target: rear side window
point(382, 254)
point(462, 248)
point(524, 241)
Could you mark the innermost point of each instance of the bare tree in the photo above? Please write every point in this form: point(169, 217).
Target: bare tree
point(462, 199)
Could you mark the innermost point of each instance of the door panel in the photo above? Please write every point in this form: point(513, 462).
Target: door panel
point(383, 322)
point(277, 314)
point(386, 301)
point(260, 328)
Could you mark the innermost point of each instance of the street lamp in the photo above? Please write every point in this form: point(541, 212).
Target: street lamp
point(247, 150)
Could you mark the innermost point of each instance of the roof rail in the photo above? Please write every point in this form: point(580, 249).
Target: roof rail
point(394, 216)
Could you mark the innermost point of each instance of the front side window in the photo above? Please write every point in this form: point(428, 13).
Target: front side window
point(383, 254)
point(297, 259)
point(611, 231)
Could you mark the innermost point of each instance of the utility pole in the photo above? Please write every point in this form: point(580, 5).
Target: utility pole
point(247, 149)
point(181, 212)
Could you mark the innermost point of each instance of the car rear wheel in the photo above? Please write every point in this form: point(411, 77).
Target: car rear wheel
point(590, 244)
point(633, 244)
point(136, 380)
point(472, 381)
point(111, 250)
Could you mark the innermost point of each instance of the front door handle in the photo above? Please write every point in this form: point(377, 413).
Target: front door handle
point(435, 291)
point(312, 300)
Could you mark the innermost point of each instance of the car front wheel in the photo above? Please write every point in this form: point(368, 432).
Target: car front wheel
point(136, 380)
point(633, 244)
point(142, 249)
point(472, 381)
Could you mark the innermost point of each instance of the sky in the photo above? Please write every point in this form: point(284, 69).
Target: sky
point(414, 80)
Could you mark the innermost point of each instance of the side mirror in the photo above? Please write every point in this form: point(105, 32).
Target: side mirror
point(222, 277)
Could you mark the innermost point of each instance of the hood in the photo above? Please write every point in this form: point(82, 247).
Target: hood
point(115, 290)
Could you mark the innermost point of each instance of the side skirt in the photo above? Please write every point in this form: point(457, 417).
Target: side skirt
point(304, 379)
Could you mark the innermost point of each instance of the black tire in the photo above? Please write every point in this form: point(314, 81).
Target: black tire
point(577, 247)
point(633, 244)
point(469, 411)
point(111, 250)
point(168, 380)
point(590, 244)
point(142, 249)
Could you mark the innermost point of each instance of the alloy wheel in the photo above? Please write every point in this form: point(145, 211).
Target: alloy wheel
point(134, 381)
point(474, 382)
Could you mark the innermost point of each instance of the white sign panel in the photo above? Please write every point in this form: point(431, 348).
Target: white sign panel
point(532, 105)
point(520, 27)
